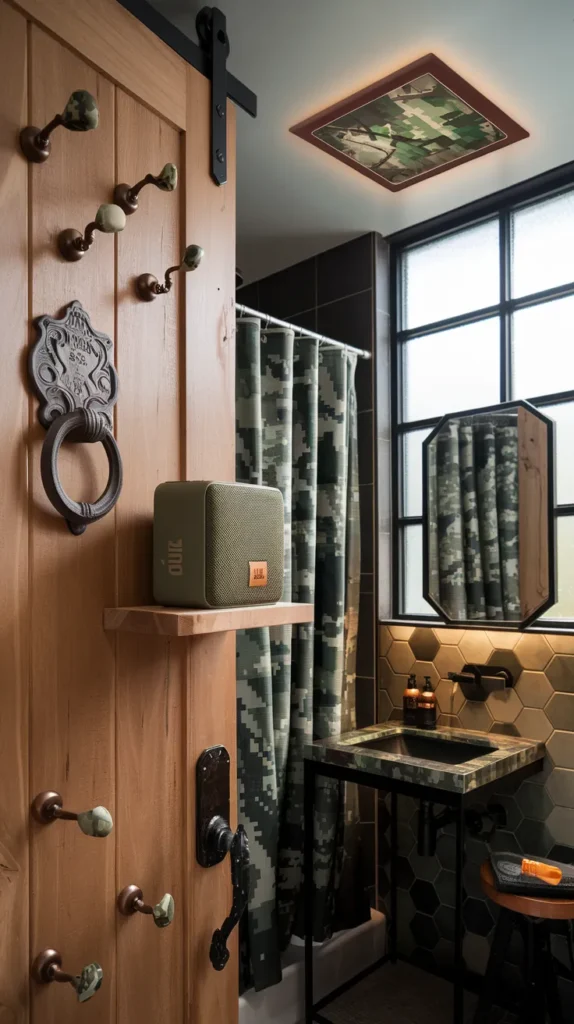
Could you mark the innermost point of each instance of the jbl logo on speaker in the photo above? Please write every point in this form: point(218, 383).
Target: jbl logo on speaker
point(175, 557)
point(258, 574)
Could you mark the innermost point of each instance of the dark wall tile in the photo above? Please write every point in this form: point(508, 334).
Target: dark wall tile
point(308, 320)
point(365, 700)
point(382, 277)
point(366, 510)
point(365, 439)
point(366, 636)
point(349, 320)
point(367, 583)
point(289, 291)
point(345, 270)
point(249, 295)
point(364, 385)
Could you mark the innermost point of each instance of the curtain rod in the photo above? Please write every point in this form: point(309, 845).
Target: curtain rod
point(301, 330)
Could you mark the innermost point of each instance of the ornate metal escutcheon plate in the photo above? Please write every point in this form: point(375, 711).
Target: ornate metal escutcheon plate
point(70, 367)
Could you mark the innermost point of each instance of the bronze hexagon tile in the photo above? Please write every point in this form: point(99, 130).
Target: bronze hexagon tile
point(384, 705)
point(385, 640)
point(560, 787)
point(424, 644)
point(393, 683)
point(560, 747)
point(504, 705)
point(475, 715)
point(561, 643)
point(426, 668)
point(475, 646)
point(448, 636)
point(505, 729)
point(400, 656)
point(533, 689)
point(560, 672)
point(506, 659)
point(448, 659)
point(560, 711)
point(503, 640)
point(449, 721)
point(450, 697)
point(533, 724)
point(533, 651)
point(401, 632)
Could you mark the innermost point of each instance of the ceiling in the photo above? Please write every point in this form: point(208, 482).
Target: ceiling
point(299, 56)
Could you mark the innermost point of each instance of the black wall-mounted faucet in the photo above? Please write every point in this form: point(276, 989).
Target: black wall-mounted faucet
point(478, 681)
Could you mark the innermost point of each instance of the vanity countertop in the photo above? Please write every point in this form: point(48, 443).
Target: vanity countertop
point(510, 753)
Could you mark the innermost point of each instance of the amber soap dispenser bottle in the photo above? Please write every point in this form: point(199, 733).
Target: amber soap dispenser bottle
point(410, 700)
point(426, 707)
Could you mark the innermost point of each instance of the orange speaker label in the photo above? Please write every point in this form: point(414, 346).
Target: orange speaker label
point(258, 574)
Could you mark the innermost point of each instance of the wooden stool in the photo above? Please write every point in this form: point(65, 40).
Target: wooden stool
point(535, 918)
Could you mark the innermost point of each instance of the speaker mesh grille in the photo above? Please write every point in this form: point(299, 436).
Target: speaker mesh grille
point(243, 524)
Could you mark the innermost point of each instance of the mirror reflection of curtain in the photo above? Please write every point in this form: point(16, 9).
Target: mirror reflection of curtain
point(297, 430)
point(473, 518)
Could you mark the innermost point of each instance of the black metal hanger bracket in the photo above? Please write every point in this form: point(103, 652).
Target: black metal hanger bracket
point(210, 59)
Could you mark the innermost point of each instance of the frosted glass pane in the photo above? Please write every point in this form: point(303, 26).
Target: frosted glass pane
point(413, 600)
point(543, 349)
point(453, 275)
point(564, 607)
point(542, 250)
point(413, 472)
point(452, 370)
point(563, 416)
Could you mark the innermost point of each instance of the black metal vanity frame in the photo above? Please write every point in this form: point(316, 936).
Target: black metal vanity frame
point(457, 802)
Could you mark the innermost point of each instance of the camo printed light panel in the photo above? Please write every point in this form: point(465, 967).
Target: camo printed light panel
point(420, 121)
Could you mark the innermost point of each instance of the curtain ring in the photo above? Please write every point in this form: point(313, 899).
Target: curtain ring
point(88, 426)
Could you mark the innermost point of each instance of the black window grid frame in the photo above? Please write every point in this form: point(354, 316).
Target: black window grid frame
point(498, 207)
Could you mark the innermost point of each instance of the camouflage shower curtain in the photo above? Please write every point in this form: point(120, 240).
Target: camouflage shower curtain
point(473, 517)
point(297, 430)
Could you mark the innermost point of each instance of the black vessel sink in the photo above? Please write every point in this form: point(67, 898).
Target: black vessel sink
point(427, 748)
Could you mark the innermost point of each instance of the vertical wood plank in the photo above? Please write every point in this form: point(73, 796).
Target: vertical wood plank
point(14, 531)
point(72, 684)
point(533, 553)
point(210, 455)
point(150, 777)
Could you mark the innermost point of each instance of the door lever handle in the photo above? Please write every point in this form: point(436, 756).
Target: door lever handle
point(221, 837)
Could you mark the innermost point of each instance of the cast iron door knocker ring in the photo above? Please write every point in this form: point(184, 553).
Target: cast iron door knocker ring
point(77, 386)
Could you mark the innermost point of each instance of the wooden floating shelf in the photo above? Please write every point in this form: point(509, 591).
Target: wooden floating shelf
point(160, 621)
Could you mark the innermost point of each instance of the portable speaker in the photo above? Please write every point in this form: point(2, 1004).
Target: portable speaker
point(216, 544)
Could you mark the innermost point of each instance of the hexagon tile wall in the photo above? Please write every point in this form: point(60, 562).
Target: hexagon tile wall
point(540, 813)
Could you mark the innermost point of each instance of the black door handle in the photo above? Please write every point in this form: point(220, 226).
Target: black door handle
point(215, 839)
point(221, 836)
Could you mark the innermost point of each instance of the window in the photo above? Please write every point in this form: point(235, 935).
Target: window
point(484, 314)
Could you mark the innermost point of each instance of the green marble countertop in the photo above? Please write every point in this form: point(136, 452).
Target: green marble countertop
point(502, 756)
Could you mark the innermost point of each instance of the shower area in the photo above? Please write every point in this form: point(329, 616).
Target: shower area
point(304, 424)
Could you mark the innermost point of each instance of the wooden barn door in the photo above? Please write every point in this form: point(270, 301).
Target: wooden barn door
point(102, 718)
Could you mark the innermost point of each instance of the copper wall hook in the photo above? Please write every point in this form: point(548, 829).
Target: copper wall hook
point(73, 245)
point(148, 286)
point(126, 196)
point(48, 807)
point(79, 115)
point(130, 901)
point(47, 967)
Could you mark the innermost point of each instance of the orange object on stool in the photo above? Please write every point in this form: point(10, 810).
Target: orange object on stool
point(545, 872)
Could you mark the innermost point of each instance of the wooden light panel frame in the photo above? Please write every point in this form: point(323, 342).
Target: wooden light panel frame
point(427, 65)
